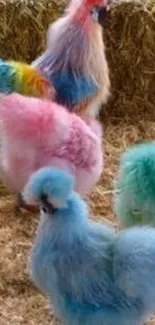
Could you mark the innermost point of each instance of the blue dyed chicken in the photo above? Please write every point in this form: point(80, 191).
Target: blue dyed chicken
point(90, 274)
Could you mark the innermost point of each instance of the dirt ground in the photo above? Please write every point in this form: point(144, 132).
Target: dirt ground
point(20, 302)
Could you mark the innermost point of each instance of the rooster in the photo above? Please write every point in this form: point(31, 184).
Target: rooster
point(75, 60)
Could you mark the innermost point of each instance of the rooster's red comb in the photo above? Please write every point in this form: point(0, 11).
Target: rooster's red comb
point(82, 8)
point(89, 3)
point(92, 3)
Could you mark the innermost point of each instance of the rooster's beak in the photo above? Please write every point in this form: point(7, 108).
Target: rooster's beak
point(101, 14)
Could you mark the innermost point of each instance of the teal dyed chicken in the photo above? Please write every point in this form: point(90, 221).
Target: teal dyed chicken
point(134, 201)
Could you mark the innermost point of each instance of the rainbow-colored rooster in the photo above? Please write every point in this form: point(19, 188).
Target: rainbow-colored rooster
point(23, 79)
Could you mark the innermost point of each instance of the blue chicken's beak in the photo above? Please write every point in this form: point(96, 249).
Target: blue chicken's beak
point(47, 207)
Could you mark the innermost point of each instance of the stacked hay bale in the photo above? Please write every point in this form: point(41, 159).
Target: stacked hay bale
point(23, 26)
point(130, 41)
point(129, 34)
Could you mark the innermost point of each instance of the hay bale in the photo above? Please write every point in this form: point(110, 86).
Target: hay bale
point(130, 40)
point(23, 25)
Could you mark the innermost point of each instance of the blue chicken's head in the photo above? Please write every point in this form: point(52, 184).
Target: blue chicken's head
point(50, 187)
point(7, 77)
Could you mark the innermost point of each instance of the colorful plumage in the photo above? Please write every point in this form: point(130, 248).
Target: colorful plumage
point(24, 79)
point(134, 200)
point(47, 135)
point(75, 60)
point(90, 274)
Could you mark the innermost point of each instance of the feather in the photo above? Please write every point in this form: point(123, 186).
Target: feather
point(71, 89)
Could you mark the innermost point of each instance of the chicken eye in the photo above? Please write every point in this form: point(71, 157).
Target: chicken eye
point(94, 14)
point(44, 209)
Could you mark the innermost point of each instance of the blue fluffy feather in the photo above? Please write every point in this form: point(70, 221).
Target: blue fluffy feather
point(71, 89)
point(91, 275)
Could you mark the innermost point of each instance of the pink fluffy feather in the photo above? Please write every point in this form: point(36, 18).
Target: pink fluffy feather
point(36, 133)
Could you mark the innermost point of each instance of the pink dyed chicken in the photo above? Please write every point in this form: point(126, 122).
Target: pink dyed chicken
point(36, 133)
